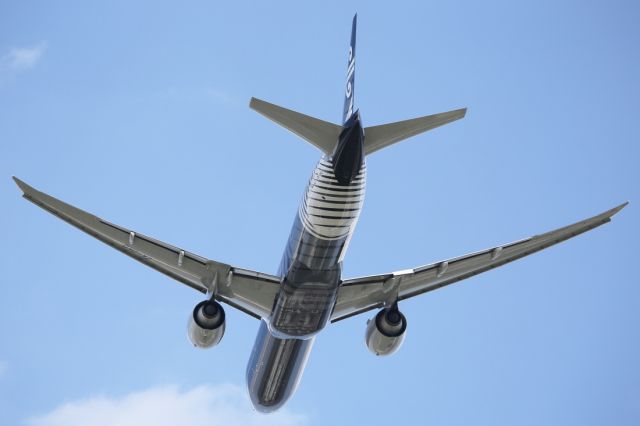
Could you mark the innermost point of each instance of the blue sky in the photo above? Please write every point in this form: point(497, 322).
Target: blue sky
point(138, 113)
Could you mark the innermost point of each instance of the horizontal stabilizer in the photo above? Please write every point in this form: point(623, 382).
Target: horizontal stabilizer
point(378, 137)
point(321, 134)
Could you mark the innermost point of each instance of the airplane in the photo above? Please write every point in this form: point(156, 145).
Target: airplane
point(308, 290)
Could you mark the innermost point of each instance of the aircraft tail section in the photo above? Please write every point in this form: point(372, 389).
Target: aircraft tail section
point(351, 71)
point(322, 134)
point(326, 136)
point(378, 137)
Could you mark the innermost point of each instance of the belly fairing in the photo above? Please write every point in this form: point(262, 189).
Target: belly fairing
point(305, 301)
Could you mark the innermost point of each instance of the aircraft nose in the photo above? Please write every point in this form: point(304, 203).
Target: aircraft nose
point(275, 369)
point(266, 408)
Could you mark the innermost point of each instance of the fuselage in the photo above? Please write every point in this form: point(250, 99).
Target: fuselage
point(311, 269)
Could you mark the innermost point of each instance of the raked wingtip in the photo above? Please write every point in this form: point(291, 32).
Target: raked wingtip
point(615, 210)
point(23, 186)
point(26, 189)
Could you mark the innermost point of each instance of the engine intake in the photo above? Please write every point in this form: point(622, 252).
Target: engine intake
point(385, 332)
point(206, 324)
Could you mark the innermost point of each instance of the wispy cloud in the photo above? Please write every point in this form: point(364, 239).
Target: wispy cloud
point(22, 58)
point(221, 96)
point(167, 405)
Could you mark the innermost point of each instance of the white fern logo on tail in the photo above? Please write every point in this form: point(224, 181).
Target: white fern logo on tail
point(349, 89)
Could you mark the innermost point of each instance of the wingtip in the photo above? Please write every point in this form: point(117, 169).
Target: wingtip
point(23, 186)
point(612, 212)
point(618, 208)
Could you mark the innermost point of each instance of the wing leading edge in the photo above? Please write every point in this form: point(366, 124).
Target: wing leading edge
point(359, 295)
point(249, 291)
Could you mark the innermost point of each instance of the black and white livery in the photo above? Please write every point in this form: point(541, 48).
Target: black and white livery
point(308, 291)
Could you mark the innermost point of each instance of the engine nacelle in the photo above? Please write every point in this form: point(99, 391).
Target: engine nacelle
point(206, 324)
point(385, 331)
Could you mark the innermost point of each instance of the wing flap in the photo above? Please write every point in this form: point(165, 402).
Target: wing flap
point(362, 294)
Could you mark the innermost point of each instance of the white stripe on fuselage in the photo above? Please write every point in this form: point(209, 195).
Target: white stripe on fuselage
point(330, 211)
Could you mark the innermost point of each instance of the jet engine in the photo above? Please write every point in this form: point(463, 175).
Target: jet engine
point(206, 324)
point(385, 331)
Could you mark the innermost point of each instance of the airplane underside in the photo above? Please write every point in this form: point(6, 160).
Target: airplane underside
point(308, 291)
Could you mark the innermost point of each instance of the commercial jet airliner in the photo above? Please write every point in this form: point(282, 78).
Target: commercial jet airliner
point(308, 291)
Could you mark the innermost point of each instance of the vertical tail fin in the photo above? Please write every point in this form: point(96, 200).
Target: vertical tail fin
point(351, 68)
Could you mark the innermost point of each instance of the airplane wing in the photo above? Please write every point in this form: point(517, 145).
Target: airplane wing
point(359, 295)
point(249, 291)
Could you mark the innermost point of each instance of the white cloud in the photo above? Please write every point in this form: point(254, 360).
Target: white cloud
point(23, 58)
point(226, 405)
